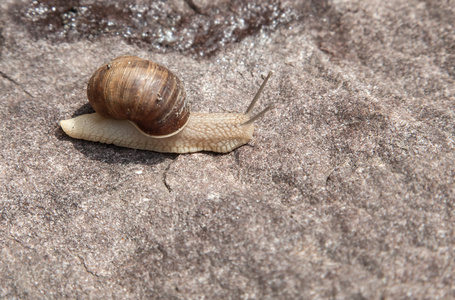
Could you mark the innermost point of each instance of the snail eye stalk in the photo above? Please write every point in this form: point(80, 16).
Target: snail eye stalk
point(259, 115)
point(255, 100)
point(258, 93)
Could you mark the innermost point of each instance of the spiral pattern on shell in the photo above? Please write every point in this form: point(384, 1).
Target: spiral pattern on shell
point(141, 91)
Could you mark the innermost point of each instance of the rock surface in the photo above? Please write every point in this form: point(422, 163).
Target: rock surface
point(346, 192)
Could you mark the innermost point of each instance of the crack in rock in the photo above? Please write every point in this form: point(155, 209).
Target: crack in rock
point(15, 83)
point(86, 268)
point(164, 177)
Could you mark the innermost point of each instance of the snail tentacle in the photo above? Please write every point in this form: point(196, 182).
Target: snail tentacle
point(258, 94)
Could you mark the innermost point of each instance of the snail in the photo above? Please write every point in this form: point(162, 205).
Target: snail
point(140, 104)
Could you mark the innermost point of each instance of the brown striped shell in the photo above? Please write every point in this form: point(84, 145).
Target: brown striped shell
point(141, 91)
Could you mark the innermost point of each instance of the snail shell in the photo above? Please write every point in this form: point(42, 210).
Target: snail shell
point(141, 91)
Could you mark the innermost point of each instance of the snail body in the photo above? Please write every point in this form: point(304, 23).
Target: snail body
point(141, 105)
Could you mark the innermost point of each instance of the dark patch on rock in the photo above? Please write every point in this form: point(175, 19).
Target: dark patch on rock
point(200, 30)
point(2, 41)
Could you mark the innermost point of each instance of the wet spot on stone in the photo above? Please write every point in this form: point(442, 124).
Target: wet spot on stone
point(194, 28)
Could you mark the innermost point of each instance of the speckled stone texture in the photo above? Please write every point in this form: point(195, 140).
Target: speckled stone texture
point(347, 191)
